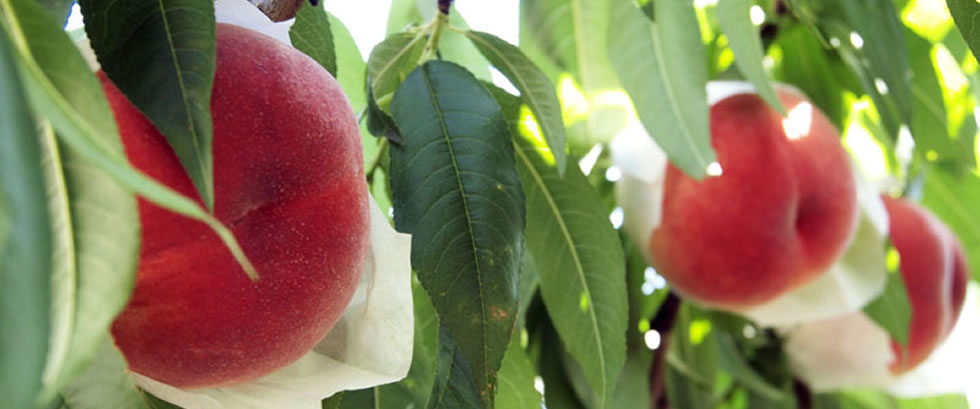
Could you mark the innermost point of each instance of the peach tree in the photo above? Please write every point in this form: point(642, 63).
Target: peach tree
point(655, 204)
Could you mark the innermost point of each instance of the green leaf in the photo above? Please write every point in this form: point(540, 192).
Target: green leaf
point(536, 90)
point(422, 372)
point(96, 249)
point(569, 36)
point(633, 387)
point(455, 47)
point(558, 392)
point(808, 66)
point(692, 361)
point(826, 401)
point(580, 385)
point(891, 310)
point(359, 399)
point(866, 399)
point(108, 384)
point(25, 245)
point(517, 379)
point(844, 400)
point(453, 387)
point(409, 15)
point(391, 61)
point(953, 198)
point(530, 281)
point(662, 68)
point(929, 126)
point(456, 190)
point(567, 40)
point(311, 34)
point(567, 222)
point(580, 260)
point(389, 396)
point(731, 359)
point(964, 14)
point(868, 36)
point(743, 38)
point(402, 15)
point(58, 8)
point(154, 402)
point(379, 123)
point(350, 64)
point(934, 402)
point(161, 55)
point(61, 87)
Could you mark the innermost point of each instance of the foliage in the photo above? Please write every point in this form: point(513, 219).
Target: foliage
point(521, 279)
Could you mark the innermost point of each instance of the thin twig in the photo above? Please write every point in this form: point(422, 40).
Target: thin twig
point(432, 45)
point(278, 10)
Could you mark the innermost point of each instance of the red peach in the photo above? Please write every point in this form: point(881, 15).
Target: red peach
point(934, 269)
point(783, 209)
point(289, 183)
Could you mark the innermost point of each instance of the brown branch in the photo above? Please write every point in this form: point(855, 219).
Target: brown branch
point(279, 10)
point(663, 322)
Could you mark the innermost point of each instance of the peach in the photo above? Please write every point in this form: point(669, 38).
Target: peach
point(780, 209)
point(289, 183)
point(934, 269)
point(851, 350)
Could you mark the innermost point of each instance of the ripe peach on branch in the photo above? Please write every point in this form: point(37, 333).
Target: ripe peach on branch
point(289, 182)
point(851, 350)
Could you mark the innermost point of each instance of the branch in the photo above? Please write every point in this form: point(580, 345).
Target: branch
point(279, 10)
point(663, 322)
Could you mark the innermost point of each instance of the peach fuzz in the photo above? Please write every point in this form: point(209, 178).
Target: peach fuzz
point(289, 183)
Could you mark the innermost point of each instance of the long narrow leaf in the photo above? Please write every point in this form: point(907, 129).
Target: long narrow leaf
point(964, 14)
point(312, 35)
point(161, 54)
point(743, 37)
point(578, 256)
point(662, 68)
point(96, 248)
point(25, 245)
point(453, 388)
point(536, 90)
point(580, 261)
point(456, 190)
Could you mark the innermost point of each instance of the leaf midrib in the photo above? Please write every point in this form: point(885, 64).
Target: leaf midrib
point(573, 250)
point(208, 194)
point(672, 97)
point(72, 264)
